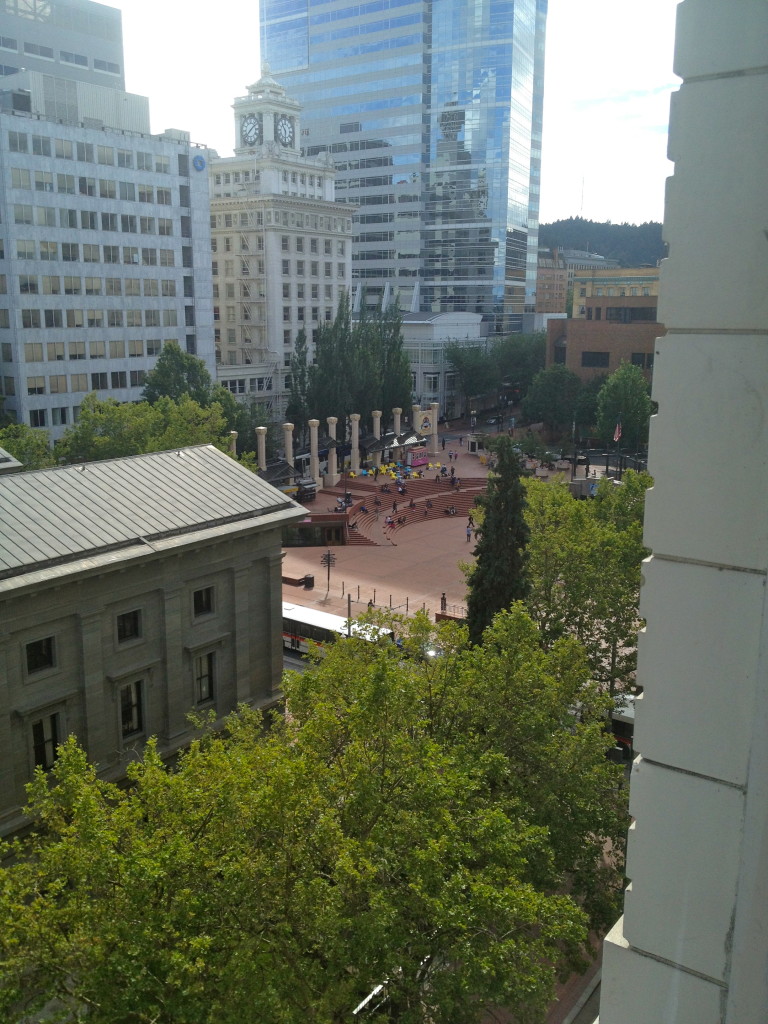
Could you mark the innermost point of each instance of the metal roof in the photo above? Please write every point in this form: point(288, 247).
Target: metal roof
point(52, 516)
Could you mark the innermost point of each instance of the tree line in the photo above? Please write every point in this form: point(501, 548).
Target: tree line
point(633, 245)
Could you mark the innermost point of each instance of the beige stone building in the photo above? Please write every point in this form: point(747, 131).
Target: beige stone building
point(621, 295)
point(281, 246)
point(133, 592)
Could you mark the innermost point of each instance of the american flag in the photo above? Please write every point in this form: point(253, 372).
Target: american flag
point(617, 432)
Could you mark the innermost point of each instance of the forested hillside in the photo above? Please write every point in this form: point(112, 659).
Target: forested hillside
point(631, 244)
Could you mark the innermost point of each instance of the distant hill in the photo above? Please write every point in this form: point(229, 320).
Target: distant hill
point(631, 244)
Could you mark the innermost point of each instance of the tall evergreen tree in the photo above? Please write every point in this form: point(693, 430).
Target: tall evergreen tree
point(500, 576)
point(297, 409)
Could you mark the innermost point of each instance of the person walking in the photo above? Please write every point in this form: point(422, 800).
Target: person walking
point(469, 533)
point(443, 603)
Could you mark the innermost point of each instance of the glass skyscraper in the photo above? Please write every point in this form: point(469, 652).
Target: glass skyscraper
point(431, 110)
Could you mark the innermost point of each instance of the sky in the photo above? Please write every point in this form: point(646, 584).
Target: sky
point(606, 108)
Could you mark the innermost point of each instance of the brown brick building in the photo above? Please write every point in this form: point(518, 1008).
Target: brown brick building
point(590, 348)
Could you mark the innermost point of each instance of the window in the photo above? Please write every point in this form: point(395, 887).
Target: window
point(72, 286)
point(128, 223)
point(51, 285)
point(164, 226)
point(41, 654)
point(35, 385)
point(77, 350)
point(33, 352)
point(89, 220)
point(53, 318)
point(98, 382)
point(149, 257)
point(43, 181)
point(111, 253)
point(286, 264)
point(168, 287)
point(93, 286)
point(63, 149)
point(17, 142)
point(59, 416)
point(20, 178)
point(170, 318)
point(127, 190)
point(107, 188)
point(37, 418)
point(70, 252)
point(55, 350)
point(94, 317)
point(25, 249)
point(130, 254)
point(98, 350)
point(30, 318)
point(153, 347)
point(151, 287)
point(113, 286)
point(65, 183)
point(124, 158)
point(105, 155)
point(163, 196)
point(133, 318)
point(119, 379)
point(28, 284)
point(86, 186)
point(78, 382)
point(138, 378)
point(202, 601)
point(131, 711)
point(146, 225)
point(205, 666)
point(135, 349)
point(132, 286)
point(151, 317)
point(109, 222)
point(22, 214)
point(90, 253)
point(58, 386)
point(595, 359)
point(117, 349)
point(129, 626)
point(45, 739)
point(167, 259)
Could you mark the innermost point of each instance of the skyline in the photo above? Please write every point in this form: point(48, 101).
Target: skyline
point(615, 98)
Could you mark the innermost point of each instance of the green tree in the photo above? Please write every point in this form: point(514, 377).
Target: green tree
point(178, 373)
point(552, 397)
point(518, 358)
point(584, 571)
point(297, 410)
point(395, 366)
point(475, 370)
point(109, 430)
point(499, 576)
point(436, 826)
point(585, 408)
point(30, 447)
point(624, 399)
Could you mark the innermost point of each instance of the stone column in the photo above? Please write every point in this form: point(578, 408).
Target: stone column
point(397, 413)
point(288, 438)
point(333, 472)
point(433, 408)
point(233, 443)
point(415, 417)
point(376, 416)
point(261, 447)
point(314, 461)
point(355, 454)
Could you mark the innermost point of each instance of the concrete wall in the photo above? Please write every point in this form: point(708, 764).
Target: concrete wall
point(91, 664)
point(693, 946)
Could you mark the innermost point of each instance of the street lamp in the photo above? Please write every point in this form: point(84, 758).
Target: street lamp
point(328, 559)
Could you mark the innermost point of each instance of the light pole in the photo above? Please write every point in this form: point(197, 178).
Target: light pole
point(328, 559)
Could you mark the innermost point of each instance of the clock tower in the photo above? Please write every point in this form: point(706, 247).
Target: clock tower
point(266, 116)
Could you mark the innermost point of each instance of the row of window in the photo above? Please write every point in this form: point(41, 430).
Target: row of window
point(247, 267)
point(76, 252)
point(87, 152)
point(65, 56)
point(104, 188)
point(254, 384)
point(57, 351)
point(79, 382)
point(77, 318)
point(314, 268)
point(90, 220)
point(314, 291)
point(31, 284)
point(314, 245)
point(306, 313)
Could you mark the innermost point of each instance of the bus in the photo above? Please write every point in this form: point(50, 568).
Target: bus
point(302, 625)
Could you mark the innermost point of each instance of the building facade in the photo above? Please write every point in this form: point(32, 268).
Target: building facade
point(432, 116)
point(692, 946)
point(621, 295)
point(591, 349)
point(73, 40)
point(147, 598)
point(425, 339)
point(281, 247)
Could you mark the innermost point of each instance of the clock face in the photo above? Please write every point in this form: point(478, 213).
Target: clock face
point(285, 130)
point(250, 130)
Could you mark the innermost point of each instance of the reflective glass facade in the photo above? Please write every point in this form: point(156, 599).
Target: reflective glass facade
point(432, 113)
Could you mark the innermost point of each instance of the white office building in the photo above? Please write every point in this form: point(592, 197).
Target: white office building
point(104, 247)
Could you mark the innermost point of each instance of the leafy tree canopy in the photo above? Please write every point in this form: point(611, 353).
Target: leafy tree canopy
point(518, 358)
point(552, 398)
point(177, 373)
point(434, 825)
point(475, 369)
point(624, 399)
point(108, 430)
point(632, 244)
point(28, 446)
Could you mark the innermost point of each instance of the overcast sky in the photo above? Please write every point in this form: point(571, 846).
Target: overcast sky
point(608, 81)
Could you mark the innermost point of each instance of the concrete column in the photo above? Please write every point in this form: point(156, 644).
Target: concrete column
point(433, 408)
point(288, 440)
point(233, 443)
point(396, 413)
point(333, 471)
point(314, 461)
point(261, 447)
point(692, 947)
point(376, 416)
point(355, 455)
point(415, 417)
